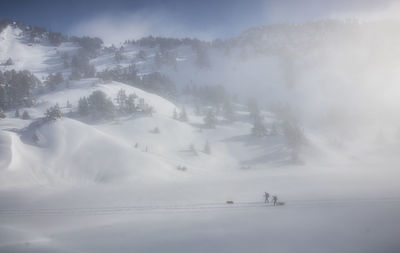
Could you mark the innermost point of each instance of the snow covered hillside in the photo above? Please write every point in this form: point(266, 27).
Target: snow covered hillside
point(138, 148)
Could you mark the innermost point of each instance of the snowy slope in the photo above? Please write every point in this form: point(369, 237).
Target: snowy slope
point(36, 58)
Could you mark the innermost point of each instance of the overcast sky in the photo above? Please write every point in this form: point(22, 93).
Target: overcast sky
point(207, 19)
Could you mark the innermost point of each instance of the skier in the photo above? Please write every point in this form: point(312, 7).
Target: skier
point(274, 199)
point(266, 195)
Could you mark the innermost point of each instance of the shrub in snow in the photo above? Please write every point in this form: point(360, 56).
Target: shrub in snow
point(156, 130)
point(181, 168)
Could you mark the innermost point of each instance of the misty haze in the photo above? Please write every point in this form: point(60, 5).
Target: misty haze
point(179, 126)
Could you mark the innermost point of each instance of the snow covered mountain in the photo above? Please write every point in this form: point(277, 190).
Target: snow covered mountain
point(59, 152)
point(159, 133)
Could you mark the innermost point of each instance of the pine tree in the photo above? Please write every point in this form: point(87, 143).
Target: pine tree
point(9, 62)
point(2, 115)
point(53, 80)
point(83, 106)
point(121, 100)
point(130, 103)
point(100, 106)
point(25, 115)
point(3, 96)
point(53, 113)
point(210, 120)
point(258, 128)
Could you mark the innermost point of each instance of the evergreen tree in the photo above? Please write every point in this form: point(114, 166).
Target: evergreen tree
point(118, 56)
point(100, 106)
point(210, 120)
point(53, 80)
point(25, 115)
point(9, 62)
point(3, 96)
point(16, 113)
point(2, 115)
point(130, 103)
point(259, 128)
point(53, 113)
point(121, 100)
point(83, 106)
point(17, 89)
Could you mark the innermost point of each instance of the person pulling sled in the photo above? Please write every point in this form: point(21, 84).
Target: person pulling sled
point(266, 195)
